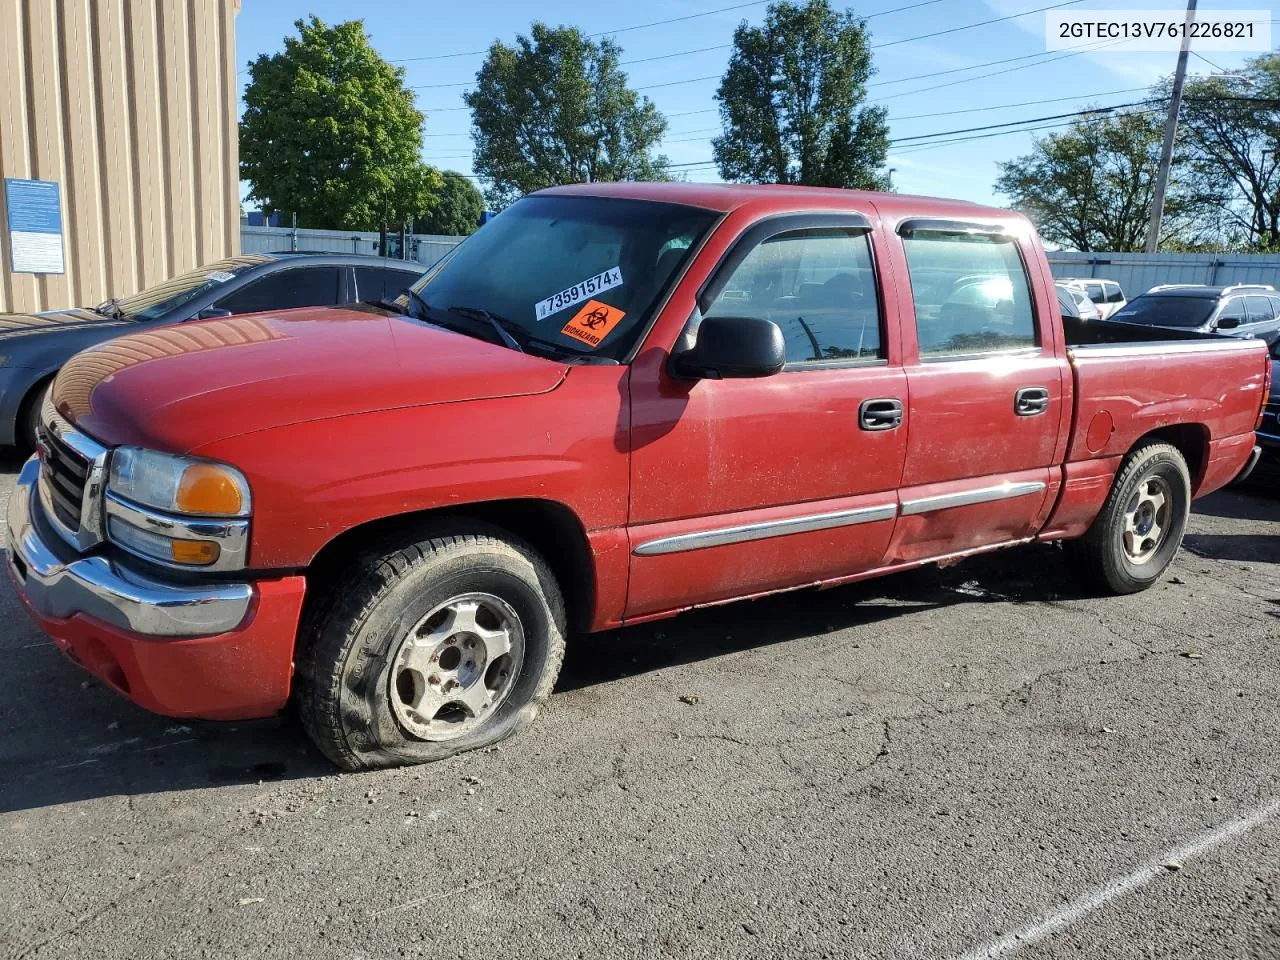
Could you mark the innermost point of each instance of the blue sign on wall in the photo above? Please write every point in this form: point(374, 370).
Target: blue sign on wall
point(35, 225)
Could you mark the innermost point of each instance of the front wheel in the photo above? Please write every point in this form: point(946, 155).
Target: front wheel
point(1136, 535)
point(443, 645)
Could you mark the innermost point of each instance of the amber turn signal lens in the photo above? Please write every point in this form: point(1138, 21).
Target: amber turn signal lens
point(209, 490)
point(196, 552)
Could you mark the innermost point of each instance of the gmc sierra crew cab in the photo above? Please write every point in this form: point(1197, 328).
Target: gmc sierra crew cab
point(613, 403)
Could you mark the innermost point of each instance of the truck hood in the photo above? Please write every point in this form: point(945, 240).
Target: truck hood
point(178, 387)
point(13, 325)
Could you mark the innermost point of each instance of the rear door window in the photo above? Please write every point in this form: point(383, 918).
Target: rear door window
point(971, 294)
point(297, 287)
point(1259, 309)
point(1114, 293)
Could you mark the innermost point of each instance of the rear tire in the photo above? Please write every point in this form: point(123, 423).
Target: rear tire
point(442, 645)
point(1136, 535)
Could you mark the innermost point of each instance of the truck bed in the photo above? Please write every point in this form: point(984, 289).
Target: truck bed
point(1208, 388)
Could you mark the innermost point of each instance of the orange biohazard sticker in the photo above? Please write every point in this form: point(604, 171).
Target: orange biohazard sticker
point(593, 322)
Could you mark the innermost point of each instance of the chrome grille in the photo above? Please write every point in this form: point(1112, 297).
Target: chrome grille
point(64, 474)
point(71, 479)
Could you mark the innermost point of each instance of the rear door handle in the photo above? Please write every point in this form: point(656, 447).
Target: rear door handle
point(881, 414)
point(1031, 401)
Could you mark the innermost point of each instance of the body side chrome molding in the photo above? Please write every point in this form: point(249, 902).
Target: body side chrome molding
point(765, 530)
point(965, 498)
point(1157, 347)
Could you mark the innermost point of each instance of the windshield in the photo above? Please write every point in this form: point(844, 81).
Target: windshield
point(155, 302)
point(1166, 311)
point(578, 275)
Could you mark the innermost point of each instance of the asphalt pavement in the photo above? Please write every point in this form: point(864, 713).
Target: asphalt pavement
point(976, 762)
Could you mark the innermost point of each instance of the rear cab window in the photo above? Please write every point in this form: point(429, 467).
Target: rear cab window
point(970, 288)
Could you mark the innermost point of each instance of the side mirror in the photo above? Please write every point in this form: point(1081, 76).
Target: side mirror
point(213, 313)
point(1228, 323)
point(733, 348)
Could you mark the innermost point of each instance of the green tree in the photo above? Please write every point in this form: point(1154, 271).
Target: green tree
point(793, 102)
point(457, 208)
point(1090, 187)
point(331, 133)
point(555, 108)
point(1230, 126)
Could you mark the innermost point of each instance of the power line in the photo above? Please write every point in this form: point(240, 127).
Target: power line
point(1209, 62)
point(874, 46)
point(993, 73)
point(1082, 48)
point(726, 46)
point(659, 23)
point(602, 33)
point(1016, 123)
point(970, 26)
point(1024, 103)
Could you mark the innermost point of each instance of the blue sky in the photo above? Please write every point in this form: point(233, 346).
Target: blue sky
point(969, 95)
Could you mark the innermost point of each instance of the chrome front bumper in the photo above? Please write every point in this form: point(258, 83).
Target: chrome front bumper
point(58, 583)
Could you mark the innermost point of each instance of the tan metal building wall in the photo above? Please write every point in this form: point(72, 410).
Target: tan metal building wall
point(131, 106)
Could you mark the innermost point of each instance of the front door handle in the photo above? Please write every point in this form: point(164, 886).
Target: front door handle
point(881, 414)
point(1031, 401)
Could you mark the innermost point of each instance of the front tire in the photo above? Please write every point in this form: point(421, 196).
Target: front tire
point(29, 417)
point(442, 645)
point(1140, 528)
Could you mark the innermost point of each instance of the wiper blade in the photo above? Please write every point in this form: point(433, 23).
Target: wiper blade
point(390, 305)
point(415, 295)
point(110, 308)
point(498, 326)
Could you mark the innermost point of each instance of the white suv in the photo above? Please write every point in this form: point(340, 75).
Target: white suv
point(1105, 294)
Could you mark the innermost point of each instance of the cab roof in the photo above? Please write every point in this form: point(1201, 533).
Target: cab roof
point(786, 198)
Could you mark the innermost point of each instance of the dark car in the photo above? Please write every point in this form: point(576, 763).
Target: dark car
point(1244, 310)
point(34, 346)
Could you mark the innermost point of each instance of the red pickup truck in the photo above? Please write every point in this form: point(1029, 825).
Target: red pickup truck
point(613, 403)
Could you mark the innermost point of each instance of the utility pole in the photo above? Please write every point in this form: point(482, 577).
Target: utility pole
point(1170, 131)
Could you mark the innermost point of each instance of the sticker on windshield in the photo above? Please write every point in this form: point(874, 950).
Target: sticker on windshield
point(221, 276)
point(578, 292)
point(592, 323)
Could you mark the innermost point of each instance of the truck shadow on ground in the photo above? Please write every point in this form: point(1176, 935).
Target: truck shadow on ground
point(46, 759)
point(143, 754)
point(1000, 577)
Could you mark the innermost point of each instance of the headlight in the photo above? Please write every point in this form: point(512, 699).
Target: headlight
point(178, 511)
point(178, 484)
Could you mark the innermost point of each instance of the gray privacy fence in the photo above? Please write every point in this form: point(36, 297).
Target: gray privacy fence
point(425, 248)
point(1139, 272)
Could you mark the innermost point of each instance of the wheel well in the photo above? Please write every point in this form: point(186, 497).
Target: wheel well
point(551, 528)
point(1191, 440)
point(24, 408)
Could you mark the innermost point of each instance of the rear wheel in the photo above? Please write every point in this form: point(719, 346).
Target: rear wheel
point(443, 645)
point(1141, 525)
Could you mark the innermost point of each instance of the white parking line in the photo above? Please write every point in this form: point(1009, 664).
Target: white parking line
point(1097, 898)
